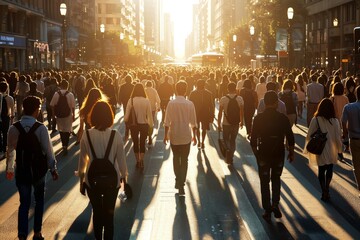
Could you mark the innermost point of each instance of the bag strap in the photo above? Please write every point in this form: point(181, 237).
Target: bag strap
point(108, 148)
point(22, 130)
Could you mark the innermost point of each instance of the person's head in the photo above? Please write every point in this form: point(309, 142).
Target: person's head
point(288, 85)
point(31, 106)
point(200, 84)
point(338, 89)
point(247, 84)
point(225, 78)
point(262, 79)
point(33, 86)
point(138, 91)
point(3, 87)
point(92, 97)
point(270, 86)
point(128, 79)
point(350, 85)
point(181, 87)
point(271, 99)
point(231, 87)
point(357, 91)
point(149, 84)
point(325, 109)
point(101, 116)
point(53, 81)
point(64, 84)
point(22, 78)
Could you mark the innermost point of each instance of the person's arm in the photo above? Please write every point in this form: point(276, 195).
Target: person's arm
point(344, 120)
point(241, 123)
point(47, 148)
point(13, 135)
point(290, 139)
point(220, 113)
point(149, 114)
point(121, 158)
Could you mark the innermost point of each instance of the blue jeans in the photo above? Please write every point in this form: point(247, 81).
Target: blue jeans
point(229, 134)
point(180, 163)
point(25, 200)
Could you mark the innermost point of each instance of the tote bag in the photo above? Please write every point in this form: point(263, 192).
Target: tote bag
point(317, 142)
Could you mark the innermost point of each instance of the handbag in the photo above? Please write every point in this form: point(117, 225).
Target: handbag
point(317, 142)
point(132, 120)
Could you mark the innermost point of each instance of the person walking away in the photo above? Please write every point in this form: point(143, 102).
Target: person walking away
point(79, 86)
point(94, 95)
point(21, 88)
point(180, 121)
point(108, 89)
point(139, 132)
point(260, 88)
point(250, 103)
point(63, 105)
point(351, 129)
point(203, 101)
point(233, 119)
point(102, 151)
point(223, 86)
point(314, 93)
point(165, 91)
point(6, 116)
point(267, 143)
point(301, 94)
point(281, 108)
point(350, 90)
point(29, 141)
point(39, 83)
point(124, 94)
point(34, 92)
point(211, 85)
point(325, 119)
point(289, 97)
point(154, 99)
point(48, 95)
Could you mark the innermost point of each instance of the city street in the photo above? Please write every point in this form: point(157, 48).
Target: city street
point(221, 201)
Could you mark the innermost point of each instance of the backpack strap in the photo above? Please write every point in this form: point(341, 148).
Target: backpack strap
point(19, 127)
point(32, 129)
point(108, 148)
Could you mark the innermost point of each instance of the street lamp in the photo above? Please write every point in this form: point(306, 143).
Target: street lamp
point(290, 16)
point(252, 32)
point(102, 30)
point(63, 11)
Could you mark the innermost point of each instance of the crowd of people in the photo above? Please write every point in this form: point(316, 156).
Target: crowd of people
point(268, 102)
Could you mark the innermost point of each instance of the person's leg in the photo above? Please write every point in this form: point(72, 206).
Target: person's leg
point(5, 128)
point(134, 131)
point(184, 154)
point(109, 206)
point(65, 136)
point(321, 177)
point(264, 174)
point(23, 214)
point(328, 178)
point(276, 171)
point(176, 164)
point(198, 134)
point(204, 128)
point(96, 203)
point(39, 194)
point(355, 153)
point(144, 130)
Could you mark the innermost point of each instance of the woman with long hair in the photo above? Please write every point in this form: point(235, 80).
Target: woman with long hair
point(301, 94)
point(92, 97)
point(95, 145)
point(325, 119)
point(139, 132)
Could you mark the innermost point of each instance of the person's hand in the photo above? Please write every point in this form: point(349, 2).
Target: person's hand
point(194, 141)
point(9, 175)
point(82, 189)
point(166, 139)
point(241, 125)
point(291, 157)
point(219, 128)
point(55, 175)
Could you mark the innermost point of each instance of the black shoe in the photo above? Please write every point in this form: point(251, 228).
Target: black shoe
point(38, 237)
point(181, 191)
point(277, 212)
point(267, 216)
point(65, 151)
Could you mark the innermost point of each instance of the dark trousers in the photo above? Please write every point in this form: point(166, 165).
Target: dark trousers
point(270, 168)
point(4, 128)
point(248, 117)
point(180, 163)
point(139, 134)
point(325, 174)
point(163, 106)
point(65, 136)
point(103, 205)
point(25, 201)
point(50, 119)
point(230, 133)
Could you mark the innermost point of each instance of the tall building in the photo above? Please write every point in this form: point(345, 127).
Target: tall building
point(168, 49)
point(152, 12)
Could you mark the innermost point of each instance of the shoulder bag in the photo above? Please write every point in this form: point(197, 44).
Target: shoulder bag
point(317, 141)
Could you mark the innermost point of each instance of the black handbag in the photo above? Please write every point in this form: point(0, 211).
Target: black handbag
point(317, 142)
point(132, 120)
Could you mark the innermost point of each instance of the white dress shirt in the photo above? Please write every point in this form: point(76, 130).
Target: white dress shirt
point(142, 110)
point(180, 117)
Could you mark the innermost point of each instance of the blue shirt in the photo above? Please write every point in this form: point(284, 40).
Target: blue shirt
point(44, 139)
point(351, 116)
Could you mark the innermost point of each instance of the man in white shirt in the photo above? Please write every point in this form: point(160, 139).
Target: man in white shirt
point(315, 93)
point(180, 119)
point(154, 99)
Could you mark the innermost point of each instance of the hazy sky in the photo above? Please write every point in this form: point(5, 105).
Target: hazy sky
point(181, 14)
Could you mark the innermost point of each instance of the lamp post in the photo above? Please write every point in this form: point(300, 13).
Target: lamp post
point(102, 30)
point(290, 16)
point(234, 38)
point(63, 11)
point(252, 32)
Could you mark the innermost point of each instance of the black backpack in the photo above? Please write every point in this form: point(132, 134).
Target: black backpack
point(232, 113)
point(31, 162)
point(288, 99)
point(102, 174)
point(4, 108)
point(62, 109)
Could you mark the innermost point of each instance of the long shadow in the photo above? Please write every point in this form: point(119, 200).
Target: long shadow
point(181, 226)
point(216, 212)
point(80, 224)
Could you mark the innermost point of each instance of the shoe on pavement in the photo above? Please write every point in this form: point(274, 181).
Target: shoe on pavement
point(277, 212)
point(267, 216)
point(38, 237)
point(181, 191)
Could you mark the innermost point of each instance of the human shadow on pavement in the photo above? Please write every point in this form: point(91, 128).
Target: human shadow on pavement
point(80, 225)
point(181, 226)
